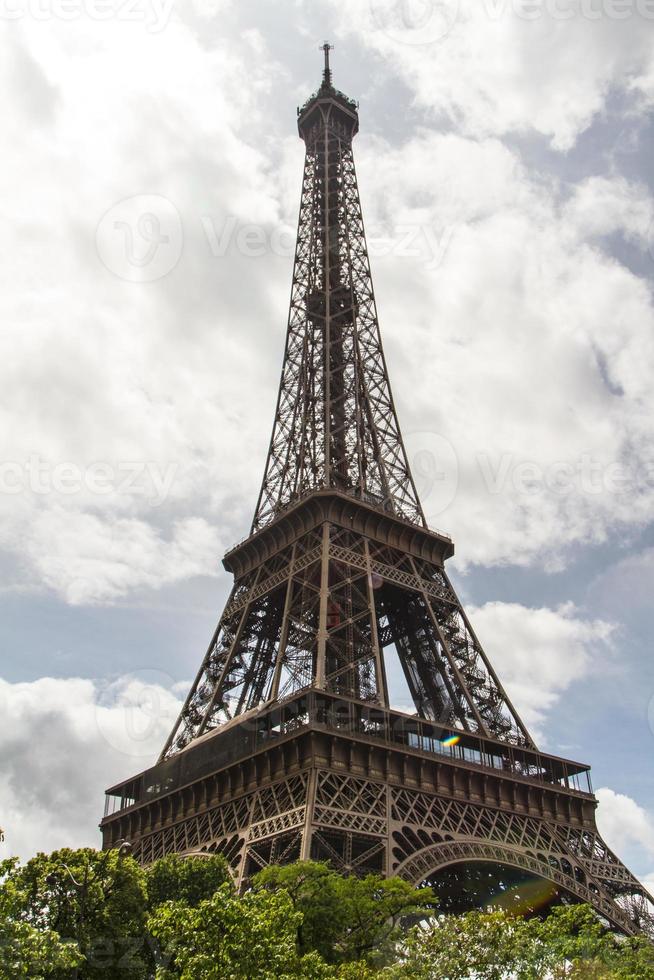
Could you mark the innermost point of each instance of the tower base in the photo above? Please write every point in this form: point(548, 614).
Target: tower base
point(371, 791)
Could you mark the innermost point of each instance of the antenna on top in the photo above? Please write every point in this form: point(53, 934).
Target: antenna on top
point(327, 74)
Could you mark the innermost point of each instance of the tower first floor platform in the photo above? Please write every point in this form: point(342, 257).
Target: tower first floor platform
point(371, 790)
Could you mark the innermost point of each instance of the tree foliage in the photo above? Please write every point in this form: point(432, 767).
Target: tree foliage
point(25, 950)
point(185, 879)
point(570, 942)
point(89, 915)
point(345, 918)
point(94, 900)
point(253, 938)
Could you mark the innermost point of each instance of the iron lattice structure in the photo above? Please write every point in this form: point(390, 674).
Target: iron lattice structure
point(335, 423)
point(288, 745)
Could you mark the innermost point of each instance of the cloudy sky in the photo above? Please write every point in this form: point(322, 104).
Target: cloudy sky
point(149, 192)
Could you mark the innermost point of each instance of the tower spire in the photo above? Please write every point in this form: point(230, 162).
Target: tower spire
point(335, 425)
point(327, 74)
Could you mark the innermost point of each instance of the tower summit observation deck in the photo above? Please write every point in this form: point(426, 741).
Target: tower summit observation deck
point(288, 744)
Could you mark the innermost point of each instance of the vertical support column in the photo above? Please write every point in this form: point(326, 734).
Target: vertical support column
point(388, 858)
point(307, 832)
point(240, 874)
point(324, 600)
point(327, 274)
point(382, 686)
point(274, 688)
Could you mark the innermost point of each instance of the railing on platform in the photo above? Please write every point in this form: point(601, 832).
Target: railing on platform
point(319, 710)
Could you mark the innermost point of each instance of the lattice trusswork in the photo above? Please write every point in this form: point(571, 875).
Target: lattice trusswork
point(437, 832)
point(288, 745)
point(363, 825)
point(332, 606)
point(335, 422)
point(264, 645)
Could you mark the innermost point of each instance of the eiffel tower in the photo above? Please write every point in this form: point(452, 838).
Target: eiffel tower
point(288, 746)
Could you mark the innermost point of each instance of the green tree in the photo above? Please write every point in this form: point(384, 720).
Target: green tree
point(489, 946)
point(26, 951)
point(377, 912)
point(570, 942)
point(313, 889)
point(83, 914)
point(634, 959)
point(572, 934)
point(346, 918)
point(94, 899)
point(230, 938)
point(185, 879)
point(356, 971)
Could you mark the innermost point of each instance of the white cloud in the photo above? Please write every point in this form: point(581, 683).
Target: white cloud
point(63, 742)
point(539, 653)
point(101, 373)
point(527, 347)
point(511, 332)
point(88, 560)
point(600, 206)
point(624, 824)
point(506, 66)
point(627, 584)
